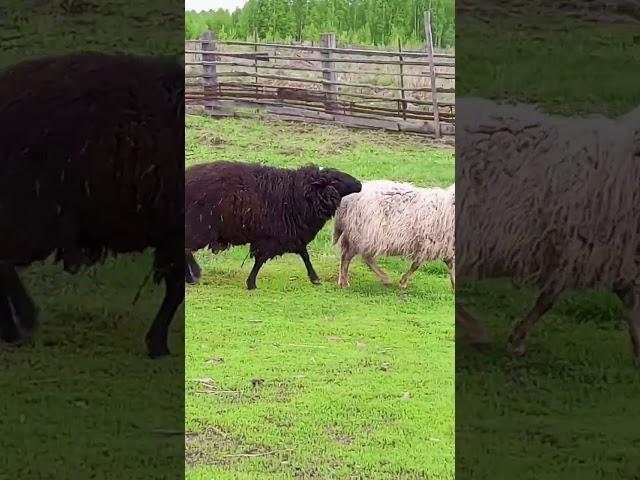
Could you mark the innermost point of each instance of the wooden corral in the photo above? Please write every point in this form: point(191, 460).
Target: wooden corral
point(355, 87)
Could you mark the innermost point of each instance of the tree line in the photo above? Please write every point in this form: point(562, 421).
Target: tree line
point(362, 22)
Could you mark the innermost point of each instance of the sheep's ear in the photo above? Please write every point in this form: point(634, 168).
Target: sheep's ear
point(324, 197)
point(330, 199)
point(320, 182)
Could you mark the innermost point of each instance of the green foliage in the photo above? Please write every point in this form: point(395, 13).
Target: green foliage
point(369, 22)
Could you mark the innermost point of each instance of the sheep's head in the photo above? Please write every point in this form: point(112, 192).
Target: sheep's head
point(327, 188)
point(342, 182)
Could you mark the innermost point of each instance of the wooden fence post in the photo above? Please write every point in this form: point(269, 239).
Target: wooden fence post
point(432, 72)
point(255, 59)
point(328, 40)
point(210, 76)
point(401, 58)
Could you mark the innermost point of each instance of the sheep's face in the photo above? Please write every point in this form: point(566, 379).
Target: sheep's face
point(344, 183)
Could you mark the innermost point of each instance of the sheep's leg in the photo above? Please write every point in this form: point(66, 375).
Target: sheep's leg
point(24, 306)
point(404, 281)
point(251, 280)
point(452, 274)
point(474, 330)
point(375, 268)
point(18, 314)
point(313, 276)
point(157, 336)
point(631, 300)
point(193, 272)
point(520, 331)
point(167, 264)
point(345, 260)
point(9, 331)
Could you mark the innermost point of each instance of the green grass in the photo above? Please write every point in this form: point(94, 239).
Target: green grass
point(300, 381)
point(84, 393)
point(567, 66)
point(569, 408)
point(35, 28)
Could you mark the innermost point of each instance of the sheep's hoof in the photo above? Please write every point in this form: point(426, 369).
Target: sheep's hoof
point(316, 281)
point(343, 284)
point(157, 347)
point(158, 351)
point(403, 286)
point(19, 341)
point(251, 287)
point(17, 335)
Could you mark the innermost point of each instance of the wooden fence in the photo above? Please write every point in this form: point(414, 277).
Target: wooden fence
point(412, 91)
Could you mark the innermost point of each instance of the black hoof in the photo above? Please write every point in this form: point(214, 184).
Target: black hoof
point(18, 340)
point(157, 348)
point(316, 281)
point(17, 336)
point(192, 277)
point(159, 352)
point(18, 319)
point(192, 271)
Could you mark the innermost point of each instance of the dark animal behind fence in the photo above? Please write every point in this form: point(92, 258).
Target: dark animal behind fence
point(92, 147)
point(274, 210)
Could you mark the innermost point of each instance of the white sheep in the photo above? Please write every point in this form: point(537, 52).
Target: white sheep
point(396, 219)
point(550, 201)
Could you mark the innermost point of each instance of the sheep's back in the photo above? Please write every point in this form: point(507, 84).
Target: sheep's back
point(389, 218)
point(89, 157)
point(548, 199)
point(230, 203)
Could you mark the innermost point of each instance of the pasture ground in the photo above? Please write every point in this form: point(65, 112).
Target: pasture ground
point(85, 385)
point(300, 381)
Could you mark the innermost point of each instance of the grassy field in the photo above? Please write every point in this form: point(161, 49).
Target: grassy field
point(73, 397)
point(300, 381)
point(569, 409)
point(34, 27)
point(569, 67)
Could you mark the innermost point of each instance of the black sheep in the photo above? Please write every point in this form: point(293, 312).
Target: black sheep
point(90, 161)
point(274, 210)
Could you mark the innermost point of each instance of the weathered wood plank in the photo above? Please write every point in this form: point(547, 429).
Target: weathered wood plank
point(345, 50)
point(209, 78)
point(377, 122)
point(329, 77)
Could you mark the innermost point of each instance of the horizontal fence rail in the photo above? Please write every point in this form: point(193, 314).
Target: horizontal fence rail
point(411, 91)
